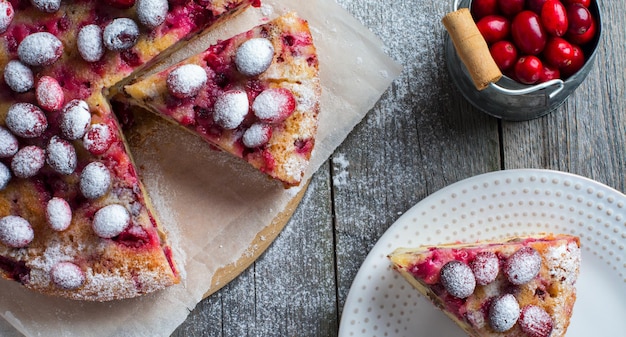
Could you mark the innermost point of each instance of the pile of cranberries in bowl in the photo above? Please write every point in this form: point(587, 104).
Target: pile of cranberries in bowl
point(534, 41)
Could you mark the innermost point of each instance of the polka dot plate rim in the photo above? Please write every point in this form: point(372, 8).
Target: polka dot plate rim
point(496, 205)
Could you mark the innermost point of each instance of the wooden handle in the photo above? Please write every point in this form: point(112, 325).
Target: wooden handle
point(471, 48)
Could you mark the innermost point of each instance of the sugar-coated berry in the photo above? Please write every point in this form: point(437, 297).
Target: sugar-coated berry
point(6, 15)
point(58, 214)
point(257, 135)
point(8, 143)
point(75, 119)
point(254, 56)
point(230, 109)
point(110, 221)
point(274, 105)
point(98, 139)
point(522, 266)
point(186, 80)
point(457, 278)
point(67, 275)
point(40, 49)
point(535, 321)
point(485, 266)
point(504, 312)
point(5, 176)
point(15, 231)
point(28, 161)
point(151, 13)
point(49, 94)
point(61, 155)
point(47, 6)
point(18, 76)
point(121, 34)
point(26, 120)
point(90, 44)
point(95, 180)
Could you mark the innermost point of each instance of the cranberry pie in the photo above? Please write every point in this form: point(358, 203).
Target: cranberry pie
point(255, 95)
point(75, 220)
point(518, 287)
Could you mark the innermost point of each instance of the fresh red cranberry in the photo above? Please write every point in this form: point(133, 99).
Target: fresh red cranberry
point(578, 60)
point(584, 38)
point(549, 73)
point(511, 7)
point(579, 18)
point(522, 266)
point(504, 54)
point(494, 28)
point(535, 321)
point(585, 3)
point(528, 69)
point(482, 8)
point(121, 4)
point(49, 93)
point(528, 33)
point(554, 18)
point(558, 52)
point(535, 5)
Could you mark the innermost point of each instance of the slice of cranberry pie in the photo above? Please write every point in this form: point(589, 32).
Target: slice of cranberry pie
point(254, 95)
point(75, 220)
point(518, 287)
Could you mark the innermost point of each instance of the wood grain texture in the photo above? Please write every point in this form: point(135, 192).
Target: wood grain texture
point(420, 137)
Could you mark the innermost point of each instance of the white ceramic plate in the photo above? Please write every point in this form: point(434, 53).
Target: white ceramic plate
point(497, 205)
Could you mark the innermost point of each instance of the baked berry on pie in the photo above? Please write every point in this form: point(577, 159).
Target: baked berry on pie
point(75, 220)
point(517, 287)
point(254, 95)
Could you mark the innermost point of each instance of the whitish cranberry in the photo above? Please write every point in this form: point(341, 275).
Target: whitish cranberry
point(90, 44)
point(485, 267)
point(254, 56)
point(274, 105)
point(257, 135)
point(98, 139)
point(28, 161)
point(535, 321)
point(15, 231)
point(8, 143)
point(186, 80)
point(522, 266)
point(47, 6)
point(5, 176)
point(40, 49)
point(61, 155)
point(26, 120)
point(504, 312)
point(121, 34)
point(18, 76)
point(458, 279)
point(230, 108)
point(75, 119)
point(6, 15)
point(151, 13)
point(49, 94)
point(58, 214)
point(110, 221)
point(67, 275)
point(95, 180)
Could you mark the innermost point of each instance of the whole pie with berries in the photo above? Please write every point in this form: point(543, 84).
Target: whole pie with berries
point(75, 219)
point(255, 95)
point(517, 287)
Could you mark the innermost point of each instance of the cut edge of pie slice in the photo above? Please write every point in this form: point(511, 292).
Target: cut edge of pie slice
point(518, 286)
point(257, 96)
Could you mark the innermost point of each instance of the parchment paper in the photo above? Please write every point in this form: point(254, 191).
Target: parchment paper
point(214, 205)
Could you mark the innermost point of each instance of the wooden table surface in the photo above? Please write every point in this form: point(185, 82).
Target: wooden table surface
point(420, 137)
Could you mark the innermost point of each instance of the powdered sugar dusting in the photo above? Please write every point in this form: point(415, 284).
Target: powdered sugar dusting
point(67, 275)
point(522, 266)
point(49, 94)
point(186, 80)
point(535, 321)
point(28, 161)
point(61, 155)
point(47, 6)
point(58, 214)
point(257, 135)
point(18, 76)
point(5, 176)
point(273, 105)
point(231, 108)
point(15, 231)
point(120, 34)
point(95, 180)
point(503, 313)
point(26, 120)
point(254, 56)
point(6, 15)
point(340, 170)
point(485, 266)
point(8, 143)
point(89, 42)
point(110, 221)
point(75, 119)
point(98, 138)
point(40, 49)
point(458, 279)
point(151, 13)
point(563, 262)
